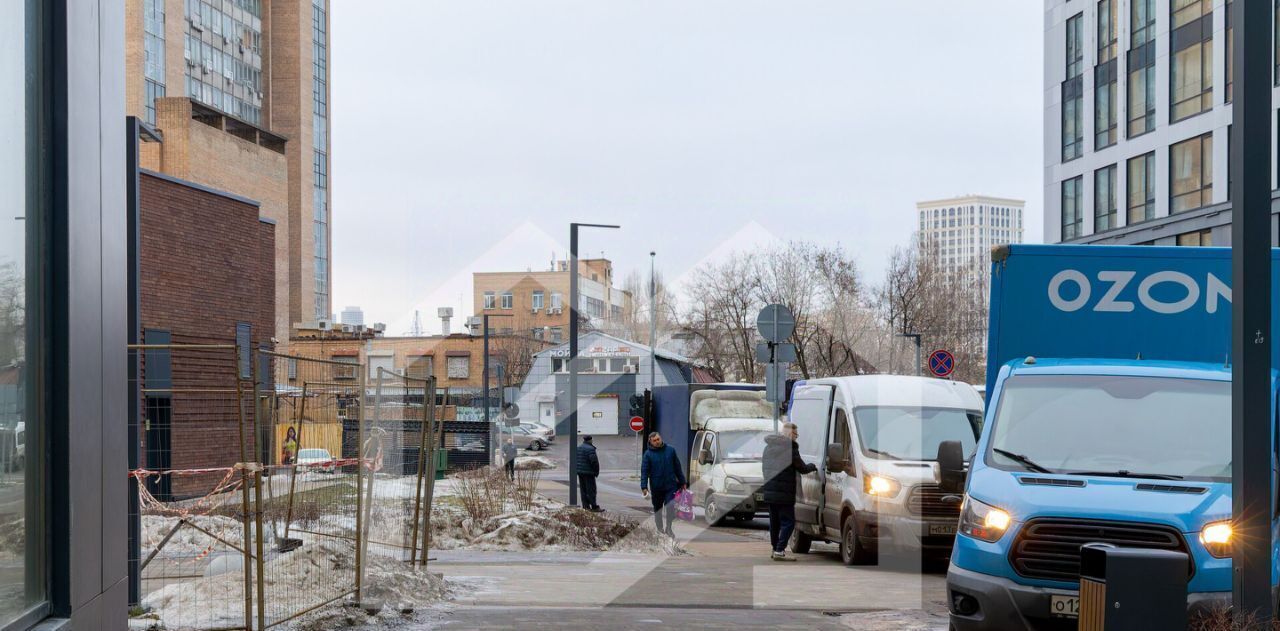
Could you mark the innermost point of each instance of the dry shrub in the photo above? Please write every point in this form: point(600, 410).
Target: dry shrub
point(525, 488)
point(1221, 619)
point(483, 492)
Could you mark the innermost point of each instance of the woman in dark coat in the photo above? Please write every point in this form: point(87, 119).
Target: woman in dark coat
point(781, 462)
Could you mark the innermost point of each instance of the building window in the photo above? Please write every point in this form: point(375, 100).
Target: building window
point(381, 367)
point(1197, 238)
point(1104, 199)
point(1230, 58)
point(557, 300)
point(420, 367)
point(557, 335)
point(1142, 188)
point(1073, 93)
point(506, 300)
point(1104, 105)
point(459, 367)
point(1072, 217)
point(346, 367)
point(1107, 40)
point(490, 300)
point(537, 300)
point(24, 560)
point(536, 333)
point(1142, 22)
point(1191, 174)
point(153, 51)
point(1191, 59)
point(1142, 90)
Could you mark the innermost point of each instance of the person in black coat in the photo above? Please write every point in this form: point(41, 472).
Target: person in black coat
point(509, 458)
point(588, 469)
point(781, 462)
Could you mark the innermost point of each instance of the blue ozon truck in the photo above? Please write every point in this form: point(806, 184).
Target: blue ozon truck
point(1108, 420)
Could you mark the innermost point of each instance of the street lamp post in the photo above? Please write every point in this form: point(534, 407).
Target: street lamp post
point(1250, 166)
point(915, 337)
point(484, 389)
point(573, 353)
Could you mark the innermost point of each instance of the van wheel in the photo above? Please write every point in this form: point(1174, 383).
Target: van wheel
point(711, 513)
point(852, 552)
point(800, 542)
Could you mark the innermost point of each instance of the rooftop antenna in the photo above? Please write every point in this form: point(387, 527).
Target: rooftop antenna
point(416, 331)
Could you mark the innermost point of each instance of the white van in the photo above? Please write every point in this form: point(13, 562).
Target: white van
point(876, 441)
point(726, 471)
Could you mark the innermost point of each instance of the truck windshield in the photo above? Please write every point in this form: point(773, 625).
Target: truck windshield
point(1114, 426)
point(741, 445)
point(914, 433)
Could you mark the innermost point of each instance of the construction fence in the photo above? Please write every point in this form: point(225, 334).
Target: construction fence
point(268, 486)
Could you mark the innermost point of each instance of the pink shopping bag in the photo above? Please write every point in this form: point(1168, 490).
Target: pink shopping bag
point(684, 504)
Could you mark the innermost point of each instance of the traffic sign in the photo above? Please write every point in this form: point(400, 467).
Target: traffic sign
point(775, 323)
point(637, 423)
point(941, 363)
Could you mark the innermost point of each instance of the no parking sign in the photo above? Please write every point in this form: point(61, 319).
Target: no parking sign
point(941, 363)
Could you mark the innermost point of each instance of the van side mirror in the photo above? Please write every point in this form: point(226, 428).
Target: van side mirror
point(835, 457)
point(704, 456)
point(951, 466)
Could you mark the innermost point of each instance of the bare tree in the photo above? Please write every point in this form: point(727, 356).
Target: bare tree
point(724, 302)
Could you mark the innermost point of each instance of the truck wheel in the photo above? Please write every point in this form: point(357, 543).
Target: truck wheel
point(852, 552)
point(800, 542)
point(711, 513)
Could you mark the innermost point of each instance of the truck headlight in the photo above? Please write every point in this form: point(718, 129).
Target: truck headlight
point(879, 485)
point(1216, 538)
point(982, 521)
point(736, 486)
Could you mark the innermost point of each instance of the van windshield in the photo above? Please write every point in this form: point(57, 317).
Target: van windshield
point(914, 433)
point(1119, 426)
point(741, 445)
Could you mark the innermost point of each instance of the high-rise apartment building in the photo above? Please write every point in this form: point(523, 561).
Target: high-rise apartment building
point(962, 230)
point(239, 91)
point(1137, 121)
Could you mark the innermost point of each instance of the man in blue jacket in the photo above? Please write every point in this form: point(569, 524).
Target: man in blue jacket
point(660, 477)
point(588, 469)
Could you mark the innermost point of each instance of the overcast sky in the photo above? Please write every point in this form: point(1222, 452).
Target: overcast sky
point(467, 134)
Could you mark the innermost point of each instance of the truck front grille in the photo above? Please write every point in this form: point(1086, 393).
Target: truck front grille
point(927, 500)
point(1049, 548)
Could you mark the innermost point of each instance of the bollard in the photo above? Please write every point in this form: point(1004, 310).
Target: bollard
point(1132, 588)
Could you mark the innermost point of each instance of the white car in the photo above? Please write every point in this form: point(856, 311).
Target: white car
point(547, 434)
point(311, 459)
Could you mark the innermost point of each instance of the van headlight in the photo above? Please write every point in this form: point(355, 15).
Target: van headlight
point(880, 485)
point(1216, 538)
point(982, 521)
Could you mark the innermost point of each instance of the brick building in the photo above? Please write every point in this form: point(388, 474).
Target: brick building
point(205, 277)
point(226, 82)
point(538, 301)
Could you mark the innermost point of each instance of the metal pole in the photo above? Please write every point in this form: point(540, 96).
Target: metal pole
point(359, 481)
point(134, 337)
point(653, 324)
point(484, 389)
point(1250, 167)
point(573, 354)
point(573, 362)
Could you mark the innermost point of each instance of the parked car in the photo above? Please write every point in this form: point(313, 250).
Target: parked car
point(16, 458)
point(525, 438)
point(546, 433)
point(315, 459)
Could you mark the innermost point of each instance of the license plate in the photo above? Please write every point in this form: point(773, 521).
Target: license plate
point(942, 529)
point(1064, 606)
point(759, 497)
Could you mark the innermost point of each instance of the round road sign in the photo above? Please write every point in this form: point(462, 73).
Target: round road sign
point(775, 323)
point(637, 423)
point(941, 363)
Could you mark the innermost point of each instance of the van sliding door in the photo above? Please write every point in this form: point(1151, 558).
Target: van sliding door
point(811, 412)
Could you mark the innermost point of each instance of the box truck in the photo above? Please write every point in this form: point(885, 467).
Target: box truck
point(876, 442)
point(718, 430)
point(1108, 421)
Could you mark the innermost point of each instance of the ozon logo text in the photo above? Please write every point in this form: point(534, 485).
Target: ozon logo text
point(1185, 291)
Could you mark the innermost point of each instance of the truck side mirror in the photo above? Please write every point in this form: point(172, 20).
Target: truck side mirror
point(835, 457)
point(951, 466)
point(704, 456)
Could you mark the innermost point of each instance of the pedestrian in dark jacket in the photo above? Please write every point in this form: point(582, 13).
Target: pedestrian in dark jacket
point(588, 468)
point(660, 477)
point(509, 458)
point(781, 462)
